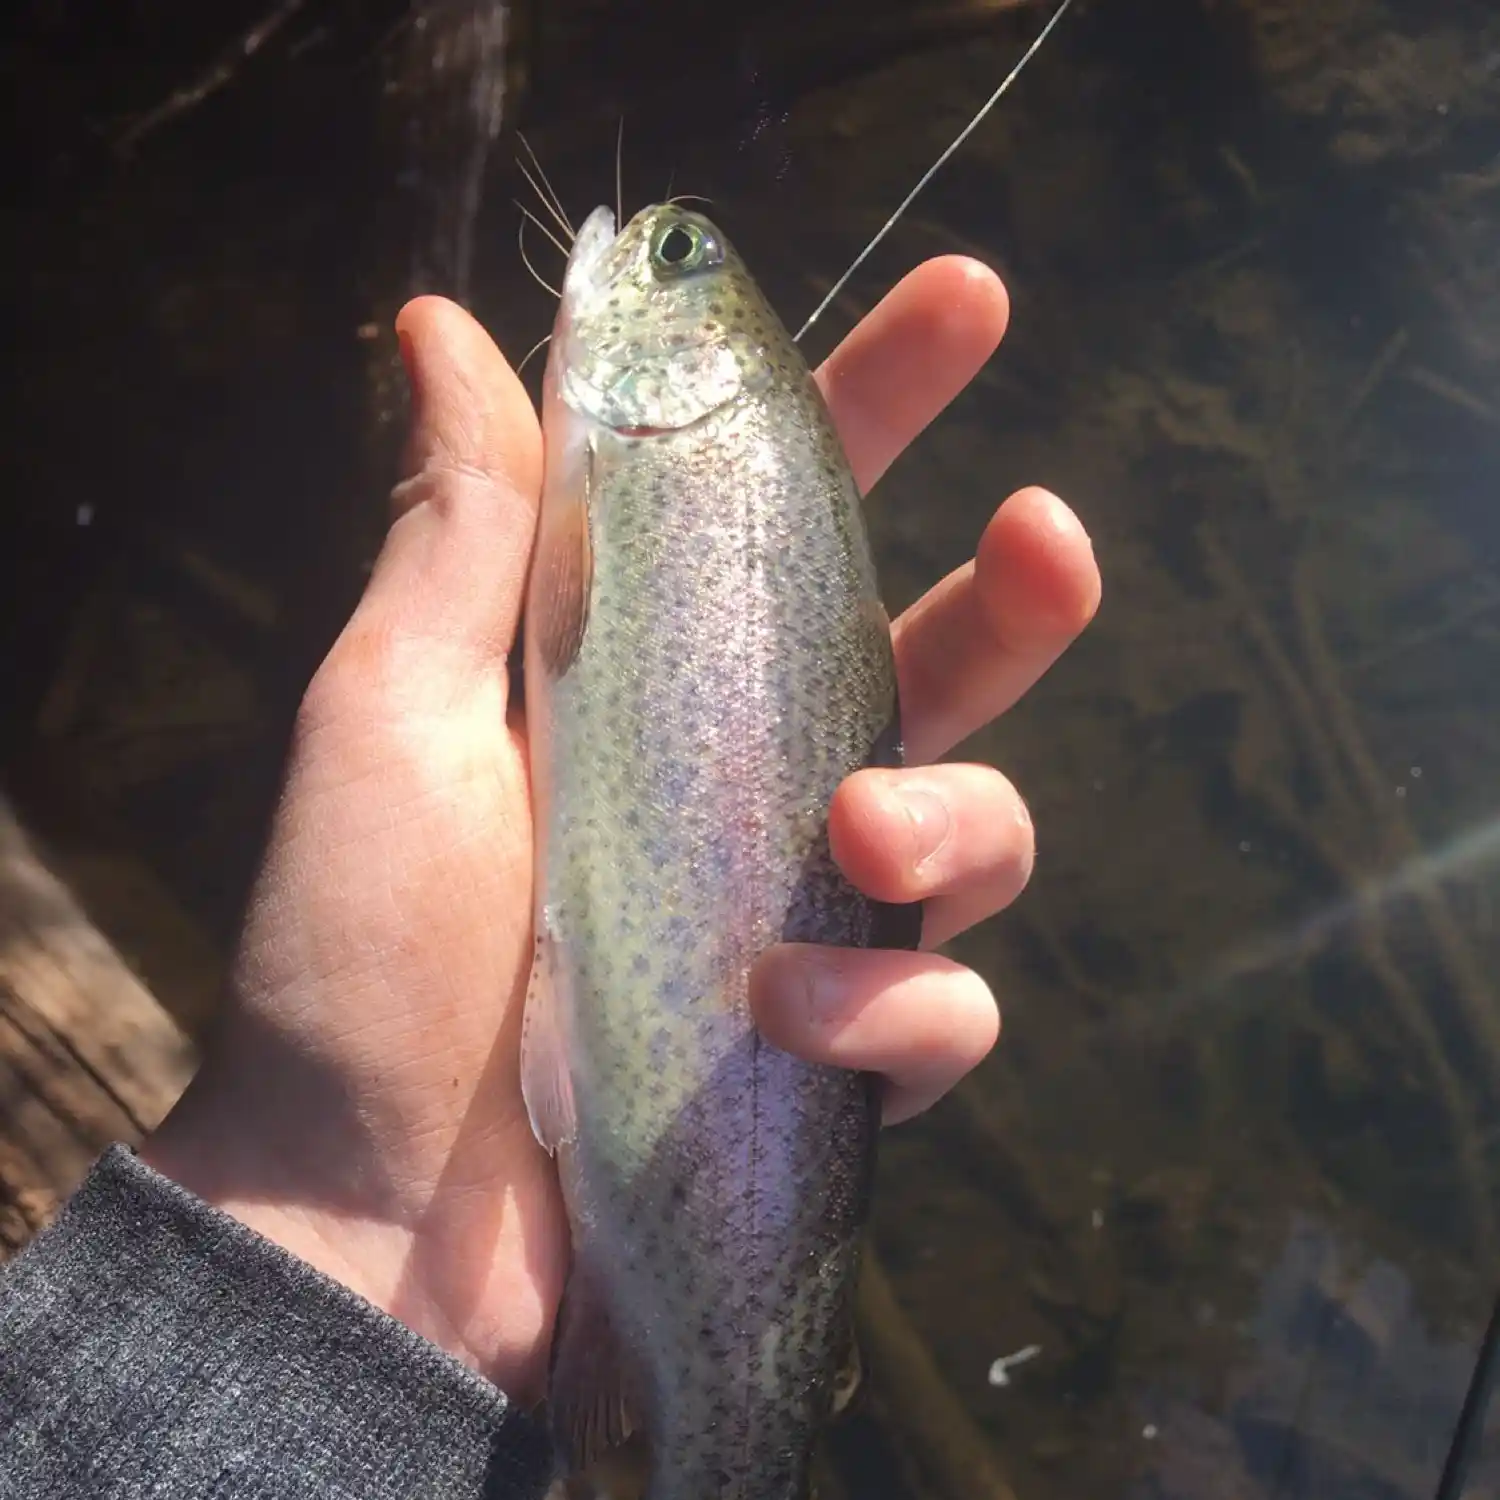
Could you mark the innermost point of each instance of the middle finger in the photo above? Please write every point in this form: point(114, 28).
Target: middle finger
point(974, 643)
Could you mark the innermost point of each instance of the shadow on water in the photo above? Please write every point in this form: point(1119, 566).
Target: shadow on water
point(1233, 1169)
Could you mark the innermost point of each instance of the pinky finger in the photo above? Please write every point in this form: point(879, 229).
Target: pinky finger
point(919, 1019)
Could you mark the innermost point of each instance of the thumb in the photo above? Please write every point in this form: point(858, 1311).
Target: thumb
point(453, 568)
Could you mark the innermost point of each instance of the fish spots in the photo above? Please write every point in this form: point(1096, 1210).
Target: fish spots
point(661, 1049)
point(730, 679)
point(676, 1198)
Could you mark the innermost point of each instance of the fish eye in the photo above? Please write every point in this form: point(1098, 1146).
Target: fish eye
point(680, 248)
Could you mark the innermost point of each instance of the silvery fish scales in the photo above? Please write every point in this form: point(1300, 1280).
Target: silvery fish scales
point(707, 658)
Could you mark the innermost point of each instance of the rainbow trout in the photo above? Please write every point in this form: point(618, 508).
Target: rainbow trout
point(706, 659)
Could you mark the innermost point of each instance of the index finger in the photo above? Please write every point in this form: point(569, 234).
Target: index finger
point(920, 346)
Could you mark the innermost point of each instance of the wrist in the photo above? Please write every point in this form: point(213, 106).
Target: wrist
point(217, 1165)
point(461, 1269)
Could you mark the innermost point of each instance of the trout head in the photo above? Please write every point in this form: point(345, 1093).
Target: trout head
point(661, 325)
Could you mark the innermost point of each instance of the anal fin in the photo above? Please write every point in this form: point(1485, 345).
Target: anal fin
point(591, 1406)
point(850, 1375)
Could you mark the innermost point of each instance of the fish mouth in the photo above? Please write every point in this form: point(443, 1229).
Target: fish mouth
point(592, 244)
point(580, 288)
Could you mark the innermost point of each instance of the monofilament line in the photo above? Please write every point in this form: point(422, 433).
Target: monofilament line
point(937, 166)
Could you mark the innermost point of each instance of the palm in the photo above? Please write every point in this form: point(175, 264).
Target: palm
point(400, 871)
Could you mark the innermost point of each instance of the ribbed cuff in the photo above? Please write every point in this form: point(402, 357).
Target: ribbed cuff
point(151, 1345)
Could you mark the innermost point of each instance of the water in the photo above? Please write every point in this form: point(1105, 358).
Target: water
point(1233, 1167)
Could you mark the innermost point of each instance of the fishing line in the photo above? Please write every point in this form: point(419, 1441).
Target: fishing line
point(549, 198)
point(537, 276)
point(546, 338)
point(1464, 1446)
point(937, 166)
point(620, 175)
point(561, 247)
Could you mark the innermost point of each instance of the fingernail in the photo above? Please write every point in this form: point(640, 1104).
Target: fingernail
point(410, 367)
point(930, 820)
point(1059, 517)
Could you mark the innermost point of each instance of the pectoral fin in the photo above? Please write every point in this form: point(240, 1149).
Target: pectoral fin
point(563, 574)
point(546, 1082)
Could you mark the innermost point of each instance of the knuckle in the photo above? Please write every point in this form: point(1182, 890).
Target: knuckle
point(443, 485)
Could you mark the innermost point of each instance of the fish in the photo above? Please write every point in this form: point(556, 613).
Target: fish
point(706, 659)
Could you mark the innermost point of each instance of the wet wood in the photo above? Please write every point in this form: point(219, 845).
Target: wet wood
point(219, 75)
point(87, 1056)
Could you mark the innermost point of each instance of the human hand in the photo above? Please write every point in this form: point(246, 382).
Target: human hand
point(360, 1103)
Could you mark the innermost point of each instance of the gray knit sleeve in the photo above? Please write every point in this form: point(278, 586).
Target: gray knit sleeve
point(153, 1346)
